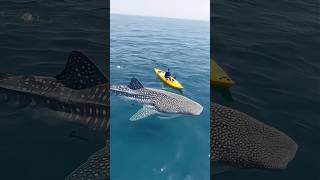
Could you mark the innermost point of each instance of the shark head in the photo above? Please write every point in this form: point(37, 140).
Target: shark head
point(187, 106)
point(196, 109)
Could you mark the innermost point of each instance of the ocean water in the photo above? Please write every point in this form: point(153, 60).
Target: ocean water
point(157, 148)
point(36, 38)
point(271, 50)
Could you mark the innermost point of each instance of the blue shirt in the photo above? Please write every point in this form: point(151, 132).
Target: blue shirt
point(167, 75)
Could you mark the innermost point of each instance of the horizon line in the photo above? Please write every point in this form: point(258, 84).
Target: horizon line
point(202, 20)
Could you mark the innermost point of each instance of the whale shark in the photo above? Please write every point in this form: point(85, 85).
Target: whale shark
point(156, 101)
point(79, 94)
point(237, 140)
point(79, 91)
point(240, 141)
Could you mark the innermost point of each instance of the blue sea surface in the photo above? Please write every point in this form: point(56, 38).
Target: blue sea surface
point(155, 147)
point(271, 50)
point(36, 38)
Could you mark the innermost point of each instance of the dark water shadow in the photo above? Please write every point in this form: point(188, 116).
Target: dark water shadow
point(217, 93)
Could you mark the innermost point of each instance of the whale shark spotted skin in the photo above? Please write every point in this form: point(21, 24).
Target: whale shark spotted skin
point(240, 141)
point(156, 101)
point(80, 93)
point(96, 167)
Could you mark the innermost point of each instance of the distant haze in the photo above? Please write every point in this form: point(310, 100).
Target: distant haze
point(182, 9)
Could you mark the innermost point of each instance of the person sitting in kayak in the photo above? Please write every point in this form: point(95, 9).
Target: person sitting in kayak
point(168, 75)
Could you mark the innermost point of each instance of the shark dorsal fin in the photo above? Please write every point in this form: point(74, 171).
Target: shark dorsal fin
point(80, 72)
point(135, 84)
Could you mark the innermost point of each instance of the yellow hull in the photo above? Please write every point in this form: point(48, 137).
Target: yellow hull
point(172, 82)
point(218, 77)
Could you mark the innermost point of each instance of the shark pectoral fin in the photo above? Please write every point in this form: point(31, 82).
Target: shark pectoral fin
point(144, 112)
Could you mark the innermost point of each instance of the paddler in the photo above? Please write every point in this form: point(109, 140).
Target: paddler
point(168, 75)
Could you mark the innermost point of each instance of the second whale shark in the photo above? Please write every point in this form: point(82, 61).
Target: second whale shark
point(156, 101)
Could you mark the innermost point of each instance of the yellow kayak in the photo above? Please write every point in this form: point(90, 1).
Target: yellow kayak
point(172, 82)
point(218, 77)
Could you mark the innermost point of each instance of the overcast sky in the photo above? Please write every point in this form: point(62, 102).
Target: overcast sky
point(182, 9)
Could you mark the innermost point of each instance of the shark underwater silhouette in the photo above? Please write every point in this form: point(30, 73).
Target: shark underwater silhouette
point(81, 93)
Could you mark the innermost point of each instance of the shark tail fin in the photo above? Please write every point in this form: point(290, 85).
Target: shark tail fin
point(135, 84)
point(80, 72)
